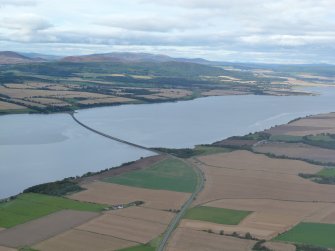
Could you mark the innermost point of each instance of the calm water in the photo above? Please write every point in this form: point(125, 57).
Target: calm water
point(41, 148)
point(204, 120)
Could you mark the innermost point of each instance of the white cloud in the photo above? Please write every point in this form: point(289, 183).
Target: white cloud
point(220, 29)
point(17, 3)
point(25, 22)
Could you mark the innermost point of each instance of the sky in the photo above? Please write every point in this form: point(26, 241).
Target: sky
point(267, 31)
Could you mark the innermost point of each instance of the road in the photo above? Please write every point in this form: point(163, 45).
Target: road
point(174, 223)
point(113, 138)
point(200, 184)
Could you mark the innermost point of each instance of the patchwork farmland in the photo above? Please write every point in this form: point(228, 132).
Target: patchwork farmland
point(250, 201)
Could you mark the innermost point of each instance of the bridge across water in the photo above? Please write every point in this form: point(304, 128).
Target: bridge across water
point(112, 137)
point(200, 184)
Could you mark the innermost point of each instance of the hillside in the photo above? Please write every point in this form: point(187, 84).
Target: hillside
point(10, 57)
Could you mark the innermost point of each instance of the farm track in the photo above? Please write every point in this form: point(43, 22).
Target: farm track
point(200, 184)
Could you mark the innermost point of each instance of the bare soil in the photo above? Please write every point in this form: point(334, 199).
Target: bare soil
point(241, 175)
point(312, 125)
point(10, 106)
point(43, 228)
point(271, 217)
point(6, 249)
point(188, 239)
point(297, 150)
point(76, 240)
point(124, 228)
point(112, 194)
point(146, 214)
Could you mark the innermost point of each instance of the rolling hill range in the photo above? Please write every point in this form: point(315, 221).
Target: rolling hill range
point(10, 57)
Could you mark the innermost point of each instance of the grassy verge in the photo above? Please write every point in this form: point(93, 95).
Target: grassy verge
point(169, 174)
point(315, 234)
point(31, 206)
point(151, 246)
point(216, 215)
point(143, 247)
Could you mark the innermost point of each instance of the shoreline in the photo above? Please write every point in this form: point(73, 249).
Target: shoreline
point(29, 110)
point(137, 164)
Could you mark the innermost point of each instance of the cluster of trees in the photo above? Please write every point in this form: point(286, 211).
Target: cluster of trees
point(319, 178)
point(57, 188)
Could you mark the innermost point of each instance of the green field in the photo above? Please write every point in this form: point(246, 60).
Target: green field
point(327, 172)
point(139, 248)
point(199, 150)
point(169, 174)
point(320, 137)
point(216, 215)
point(151, 246)
point(31, 206)
point(316, 234)
point(286, 138)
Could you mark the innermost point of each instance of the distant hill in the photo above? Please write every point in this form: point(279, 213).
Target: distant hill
point(128, 57)
point(41, 56)
point(118, 57)
point(10, 57)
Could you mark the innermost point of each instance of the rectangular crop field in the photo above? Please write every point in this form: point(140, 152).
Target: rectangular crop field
point(169, 174)
point(43, 228)
point(316, 234)
point(327, 172)
point(31, 206)
point(217, 215)
point(139, 248)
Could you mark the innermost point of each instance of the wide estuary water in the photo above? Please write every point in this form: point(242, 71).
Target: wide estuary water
point(40, 148)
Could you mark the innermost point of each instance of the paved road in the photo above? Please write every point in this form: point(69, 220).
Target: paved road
point(200, 184)
point(174, 223)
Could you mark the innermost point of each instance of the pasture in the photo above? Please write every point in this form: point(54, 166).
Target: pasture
point(27, 207)
point(216, 215)
point(169, 174)
point(315, 234)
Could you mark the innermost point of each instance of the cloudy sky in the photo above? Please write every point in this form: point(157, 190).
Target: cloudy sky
point(273, 31)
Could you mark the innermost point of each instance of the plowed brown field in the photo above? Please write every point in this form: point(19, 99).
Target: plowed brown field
point(240, 175)
point(124, 228)
point(37, 230)
point(185, 239)
point(297, 150)
point(76, 240)
point(146, 214)
point(111, 194)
